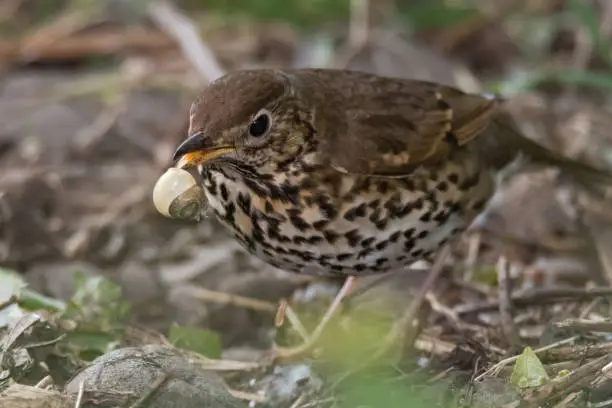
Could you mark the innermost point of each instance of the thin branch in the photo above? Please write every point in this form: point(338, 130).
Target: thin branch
point(178, 26)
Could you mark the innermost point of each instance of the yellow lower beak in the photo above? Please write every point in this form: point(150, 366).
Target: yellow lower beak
point(192, 159)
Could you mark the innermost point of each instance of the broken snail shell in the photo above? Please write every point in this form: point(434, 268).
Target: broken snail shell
point(177, 195)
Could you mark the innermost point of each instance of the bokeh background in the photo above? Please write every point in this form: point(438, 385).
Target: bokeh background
point(94, 98)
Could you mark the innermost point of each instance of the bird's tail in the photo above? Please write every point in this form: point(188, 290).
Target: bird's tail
point(532, 152)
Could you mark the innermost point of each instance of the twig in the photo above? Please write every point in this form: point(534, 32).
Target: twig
point(495, 369)
point(505, 305)
point(296, 323)
point(285, 354)
point(79, 399)
point(247, 396)
point(230, 299)
point(568, 399)
point(576, 352)
point(177, 25)
point(537, 297)
point(586, 325)
point(447, 312)
point(568, 383)
point(45, 382)
point(401, 327)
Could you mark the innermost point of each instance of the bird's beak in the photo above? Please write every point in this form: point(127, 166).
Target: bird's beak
point(197, 149)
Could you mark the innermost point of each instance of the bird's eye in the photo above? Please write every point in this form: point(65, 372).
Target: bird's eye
point(260, 125)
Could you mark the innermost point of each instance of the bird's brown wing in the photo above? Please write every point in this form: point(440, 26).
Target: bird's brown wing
point(392, 126)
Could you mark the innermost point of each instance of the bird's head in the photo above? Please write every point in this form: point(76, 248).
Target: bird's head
point(248, 121)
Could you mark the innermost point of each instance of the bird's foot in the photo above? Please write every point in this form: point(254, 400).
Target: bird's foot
point(291, 354)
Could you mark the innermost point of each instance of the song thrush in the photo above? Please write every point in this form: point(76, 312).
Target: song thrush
point(334, 172)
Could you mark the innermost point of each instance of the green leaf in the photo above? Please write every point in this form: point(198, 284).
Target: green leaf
point(528, 371)
point(438, 16)
point(202, 341)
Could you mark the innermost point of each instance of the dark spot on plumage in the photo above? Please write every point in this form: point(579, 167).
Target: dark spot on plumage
point(453, 178)
point(456, 231)
point(268, 207)
point(401, 258)
point(409, 244)
point(360, 267)
point(441, 216)
point(409, 233)
point(381, 261)
point(451, 139)
point(283, 239)
point(330, 236)
point(376, 215)
point(353, 213)
point(403, 211)
point(382, 187)
point(307, 256)
point(320, 225)
point(374, 204)
point(367, 242)
point(479, 205)
point(408, 184)
point(455, 208)
point(423, 234)
point(230, 210)
point(432, 200)
point(443, 241)
point(314, 240)
point(426, 217)
point(309, 200)
point(324, 258)
point(299, 240)
point(395, 236)
point(257, 232)
point(353, 237)
point(365, 252)
point(434, 176)
point(427, 254)
point(442, 186)
point(344, 256)
point(325, 207)
point(414, 205)
point(295, 217)
point(244, 202)
point(416, 253)
point(269, 253)
point(290, 193)
point(469, 182)
point(382, 224)
point(308, 183)
point(255, 187)
point(337, 268)
point(224, 192)
point(211, 186)
point(381, 245)
point(394, 204)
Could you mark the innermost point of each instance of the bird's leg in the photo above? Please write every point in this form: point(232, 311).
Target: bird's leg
point(288, 354)
point(404, 325)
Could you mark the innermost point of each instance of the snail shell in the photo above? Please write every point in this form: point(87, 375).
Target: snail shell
point(177, 195)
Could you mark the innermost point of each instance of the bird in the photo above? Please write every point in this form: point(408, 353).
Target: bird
point(335, 172)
